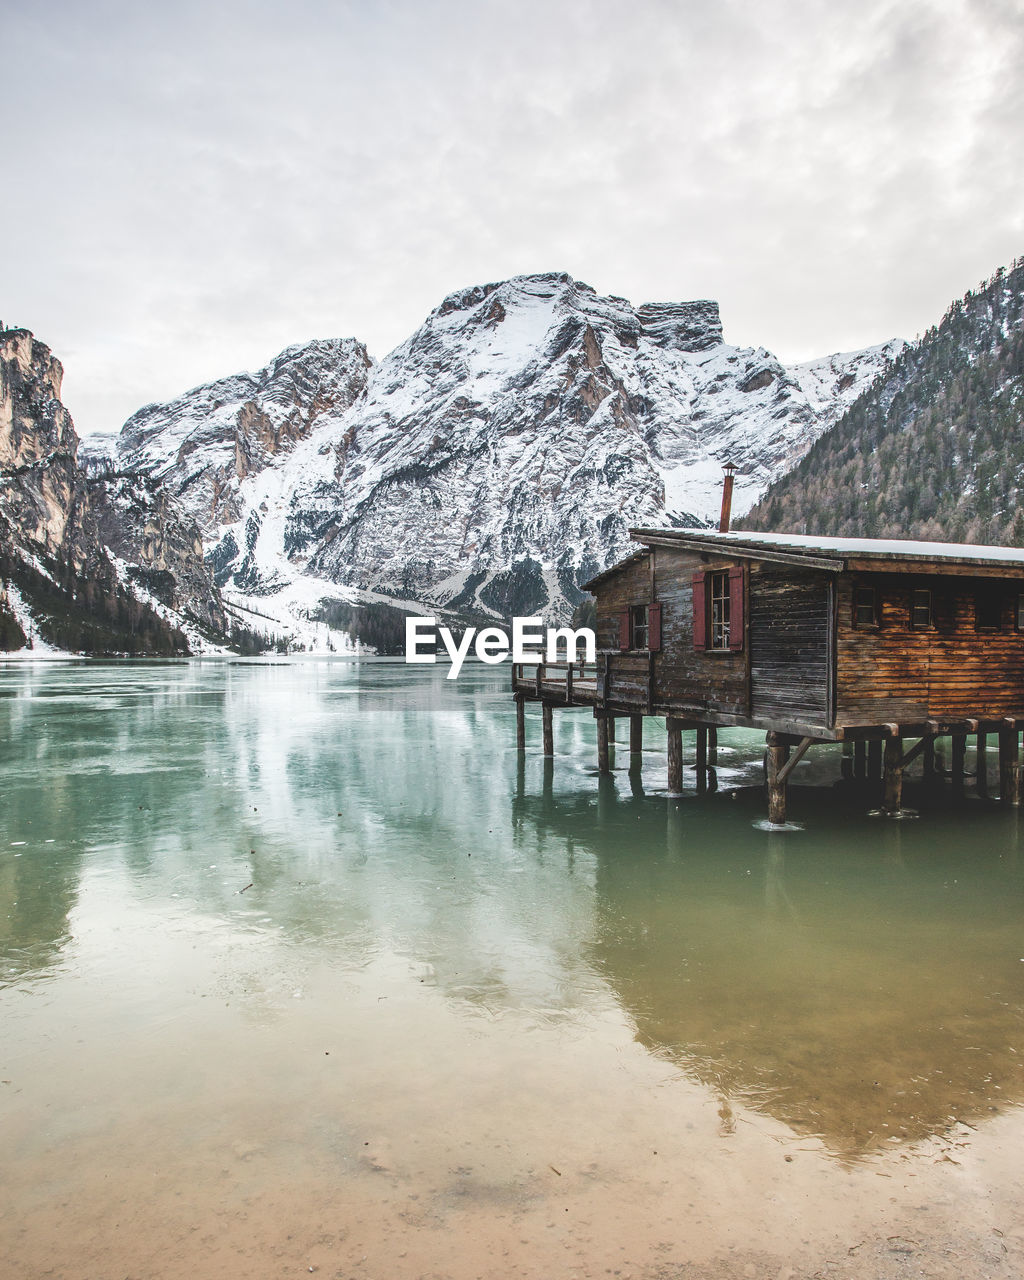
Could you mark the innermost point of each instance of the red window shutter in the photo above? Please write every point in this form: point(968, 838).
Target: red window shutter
point(700, 612)
point(624, 630)
point(654, 628)
point(736, 620)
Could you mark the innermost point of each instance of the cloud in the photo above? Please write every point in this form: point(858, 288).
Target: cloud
point(194, 187)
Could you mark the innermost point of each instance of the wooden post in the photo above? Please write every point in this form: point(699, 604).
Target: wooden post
point(712, 747)
point(1009, 766)
point(775, 759)
point(675, 756)
point(874, 759)
point(893, 801)
point(520, 722)
point(602, 744)
point(928, 763)
point(981, 765)
point(549, 739)
point(636, 735)
point(959, 756)
point(611, 731)
point(702, 759)
point(846, 764)
point(860, 749)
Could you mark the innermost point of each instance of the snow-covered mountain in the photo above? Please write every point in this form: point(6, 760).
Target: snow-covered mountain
point(492, 461)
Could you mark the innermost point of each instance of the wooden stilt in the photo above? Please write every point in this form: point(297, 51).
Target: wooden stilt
point(959, 756)
point(675, 756)
point(602, 744)
point(846, 764)
point(702, 760)
point(636, 735)
point(775, 759)
point(520, 723)
point(981, 765)
point(611, 731)
point(1009, 767)
point(860, 759)
point(549, 739)
point(874, 759)
point(712, 758)
point(928, 760)
point(893, 766)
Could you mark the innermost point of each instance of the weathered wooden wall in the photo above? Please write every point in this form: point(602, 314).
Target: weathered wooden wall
point(684, 676)
point(630, 585)
point(790, 644)
point(893, 673)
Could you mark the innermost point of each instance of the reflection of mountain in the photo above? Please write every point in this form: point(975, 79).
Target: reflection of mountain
point(858, 980)
point(38, 881)
point(863, 994)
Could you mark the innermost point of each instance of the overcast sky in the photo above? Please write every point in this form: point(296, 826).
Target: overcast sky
point(188, 188)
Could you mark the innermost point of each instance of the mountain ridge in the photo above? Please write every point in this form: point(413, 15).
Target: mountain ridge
point(495, 458)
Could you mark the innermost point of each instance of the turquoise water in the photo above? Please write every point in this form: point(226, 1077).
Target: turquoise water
point(213, 862)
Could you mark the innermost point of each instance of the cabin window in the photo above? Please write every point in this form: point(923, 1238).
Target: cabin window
point(720, 611)
point(718, 605)
point(921, 609)
point(865, 607)
point(988, 611)
point(638, 627)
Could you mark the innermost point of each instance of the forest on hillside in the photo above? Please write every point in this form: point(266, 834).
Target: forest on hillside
point(934, 449)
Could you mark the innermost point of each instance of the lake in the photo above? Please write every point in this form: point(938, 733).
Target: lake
point(303, 968)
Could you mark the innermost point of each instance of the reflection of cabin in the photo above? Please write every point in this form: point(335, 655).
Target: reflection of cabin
point(810, 639)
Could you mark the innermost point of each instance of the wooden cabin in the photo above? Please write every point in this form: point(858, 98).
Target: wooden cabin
point(811, 639)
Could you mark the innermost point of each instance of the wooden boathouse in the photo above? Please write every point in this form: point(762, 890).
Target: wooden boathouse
point(884, 646)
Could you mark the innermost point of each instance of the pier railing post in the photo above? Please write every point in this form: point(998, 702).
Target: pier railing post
point(520, 722)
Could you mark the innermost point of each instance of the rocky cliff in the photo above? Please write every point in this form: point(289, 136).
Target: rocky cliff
point(43, 500)
point(64, 586)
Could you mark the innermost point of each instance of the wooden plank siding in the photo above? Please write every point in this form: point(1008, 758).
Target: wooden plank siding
point(630, 585)
point(805, 665)
point(892, 673)
point(790, 644)
point(685, 677)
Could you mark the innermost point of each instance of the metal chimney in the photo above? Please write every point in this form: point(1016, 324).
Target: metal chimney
point(723, 524)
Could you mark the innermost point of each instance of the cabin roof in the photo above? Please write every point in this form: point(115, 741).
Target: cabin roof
point(834, 554)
